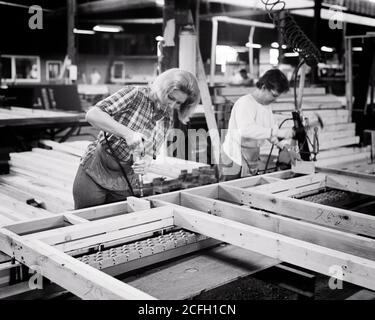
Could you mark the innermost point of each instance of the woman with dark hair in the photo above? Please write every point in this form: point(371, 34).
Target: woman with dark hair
point(132, 118)
point(250, 124)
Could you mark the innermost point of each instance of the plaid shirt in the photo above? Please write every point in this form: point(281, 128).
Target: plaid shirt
point(135, 108)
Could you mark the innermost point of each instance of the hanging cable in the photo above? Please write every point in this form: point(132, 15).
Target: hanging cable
point(292, 34)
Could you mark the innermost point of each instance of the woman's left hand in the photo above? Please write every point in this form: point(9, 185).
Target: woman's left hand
point(142, 165)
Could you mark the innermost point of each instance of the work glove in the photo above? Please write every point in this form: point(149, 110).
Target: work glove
point(288, 156)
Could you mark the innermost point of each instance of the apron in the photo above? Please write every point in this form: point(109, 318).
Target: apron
point(250, 157)
point(105, 171)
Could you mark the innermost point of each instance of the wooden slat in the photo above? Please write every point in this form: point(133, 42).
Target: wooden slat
point(317, 213)
point(128, 232)
point(106, 225)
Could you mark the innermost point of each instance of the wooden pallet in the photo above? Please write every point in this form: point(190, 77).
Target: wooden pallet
point(261, 214)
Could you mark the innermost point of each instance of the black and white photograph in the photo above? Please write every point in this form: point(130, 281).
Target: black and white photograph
point(209, 154)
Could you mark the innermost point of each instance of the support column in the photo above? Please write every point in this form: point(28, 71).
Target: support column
point(213, 51)
point(71, 16)
point(251, 52)
point(316, 34)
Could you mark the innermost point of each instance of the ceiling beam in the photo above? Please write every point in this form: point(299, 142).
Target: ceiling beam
point(115, 5)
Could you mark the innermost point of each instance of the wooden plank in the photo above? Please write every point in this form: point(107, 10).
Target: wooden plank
point(137, 204)
point(103, 211)
point(73, 219)
point(46, 181)
point(341, 219)
point(27, 166)
point(71, 274)
point(53, 154)
point(355, 269)
point(40, 159)
point(363, 294)
point(26, 211)
point(114, 235)
point(75, 232)
point(335, 160)
point(37, 225)
point(358, 183)
point(60, 147)
point(207, 105)
point(55, 201)
point(312, 181)
point(327, 237)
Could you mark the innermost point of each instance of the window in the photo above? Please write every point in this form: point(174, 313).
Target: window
point(53, 69)
point(118, 72)
point(21, 69)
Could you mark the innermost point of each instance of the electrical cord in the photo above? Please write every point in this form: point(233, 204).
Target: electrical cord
point(119, 164)
point(269, 155)
point(291, 32)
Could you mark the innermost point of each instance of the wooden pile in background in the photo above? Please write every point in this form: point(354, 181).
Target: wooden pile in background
point(20, 116)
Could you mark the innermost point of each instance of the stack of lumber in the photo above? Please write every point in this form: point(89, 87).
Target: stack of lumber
point(27, 116)
point(45, 177)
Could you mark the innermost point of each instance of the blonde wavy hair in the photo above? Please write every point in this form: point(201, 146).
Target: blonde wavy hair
point(177, 79)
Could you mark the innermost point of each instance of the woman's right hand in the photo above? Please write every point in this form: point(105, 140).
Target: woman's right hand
point(134, 139)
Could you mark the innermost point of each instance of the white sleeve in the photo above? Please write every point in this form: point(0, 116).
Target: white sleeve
point(245, 117)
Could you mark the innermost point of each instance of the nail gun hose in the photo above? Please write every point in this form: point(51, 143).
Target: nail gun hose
point(291, 32)
point(119, 164)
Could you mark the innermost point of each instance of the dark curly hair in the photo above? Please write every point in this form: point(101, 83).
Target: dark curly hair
point(274, 79)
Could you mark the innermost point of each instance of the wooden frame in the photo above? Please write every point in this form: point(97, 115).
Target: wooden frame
point(310, 235)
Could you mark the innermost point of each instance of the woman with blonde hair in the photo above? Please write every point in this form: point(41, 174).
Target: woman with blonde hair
point(134, 118)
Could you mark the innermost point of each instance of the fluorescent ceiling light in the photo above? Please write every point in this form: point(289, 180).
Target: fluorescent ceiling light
point(253, 45)
point(327, 14)
point(159, 38)
point(358, 48)
point(274, 45)
point(335, 6)
point(291, 54)
point(284, 46)
point(81, 31)
point(107, 28)
point(327, 49)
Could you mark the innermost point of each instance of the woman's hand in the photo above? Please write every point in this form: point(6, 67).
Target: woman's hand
point(134, 139)
point(142, 165)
